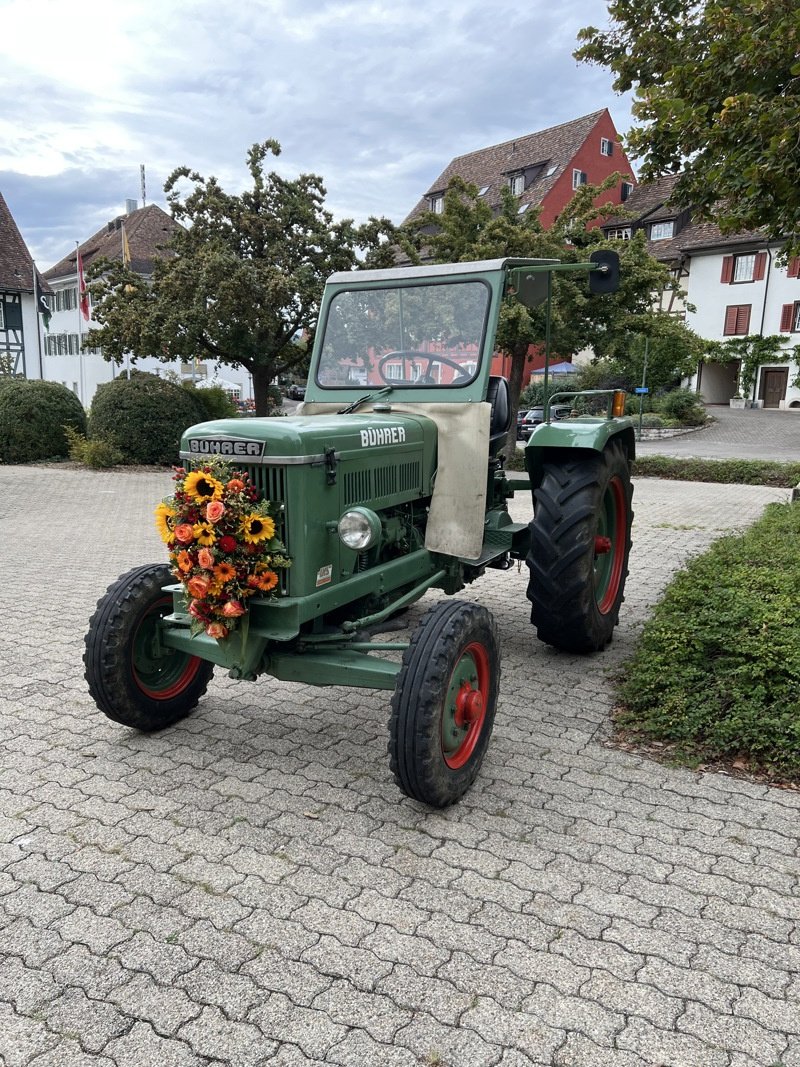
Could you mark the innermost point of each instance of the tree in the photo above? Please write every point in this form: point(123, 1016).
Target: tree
point(241, 284)
point(717, 93)
point(614, 326)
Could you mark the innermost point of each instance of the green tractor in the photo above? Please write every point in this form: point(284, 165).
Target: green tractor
point(387, 483)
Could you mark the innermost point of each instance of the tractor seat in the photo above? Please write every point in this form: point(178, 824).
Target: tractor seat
point(497, 396)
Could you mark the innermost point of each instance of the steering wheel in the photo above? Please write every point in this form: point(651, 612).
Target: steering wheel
point(426, 378)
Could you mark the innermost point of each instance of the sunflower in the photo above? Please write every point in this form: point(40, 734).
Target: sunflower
point(224, 572)
point(257, 528)
point(164, 515)
point(204, 533)
point(201, 487)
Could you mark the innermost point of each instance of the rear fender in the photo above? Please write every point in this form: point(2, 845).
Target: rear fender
point(588, 435)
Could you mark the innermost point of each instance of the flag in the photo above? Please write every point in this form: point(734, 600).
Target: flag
point(83, 296)
point(41, 303)
point(126, 252)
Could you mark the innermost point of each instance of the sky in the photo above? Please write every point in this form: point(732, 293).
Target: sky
point(376, 96)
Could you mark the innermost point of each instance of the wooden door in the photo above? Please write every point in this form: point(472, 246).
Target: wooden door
point(773, 386)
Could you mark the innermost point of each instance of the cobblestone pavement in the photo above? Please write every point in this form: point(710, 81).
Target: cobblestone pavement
point(250, 888)
point(764, 434)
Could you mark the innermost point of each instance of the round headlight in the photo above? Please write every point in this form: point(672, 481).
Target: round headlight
point(359, 529)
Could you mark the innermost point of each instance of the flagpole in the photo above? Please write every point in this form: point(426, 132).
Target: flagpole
point(80, 313)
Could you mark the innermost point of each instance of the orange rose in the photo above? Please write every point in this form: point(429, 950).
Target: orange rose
point(197, 586)
point(235, 485)
point(233, 609)
point(215, 509)
point(205, 559)
point(184, 533)
point(216, 630)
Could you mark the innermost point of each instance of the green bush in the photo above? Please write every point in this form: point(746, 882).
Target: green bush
point(682, 406)
point(143, 417)
point(97, 453)
point(214, 401)
point(717, 670)
point(33, 415)
point(729, 471)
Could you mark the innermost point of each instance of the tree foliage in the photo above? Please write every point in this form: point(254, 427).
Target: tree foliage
point(614, 326)
point(717, 95)
point(241, 283)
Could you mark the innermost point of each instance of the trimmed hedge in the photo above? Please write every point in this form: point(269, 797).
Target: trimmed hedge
point(143, 417)
point(731, 471)
point(33, 415)
point(716, 673)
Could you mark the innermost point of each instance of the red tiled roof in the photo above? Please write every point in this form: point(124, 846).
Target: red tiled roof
point(491, 166)
point(16, 262)
point(148, 230)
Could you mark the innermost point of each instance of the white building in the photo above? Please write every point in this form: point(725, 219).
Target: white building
point(68, 355)
point(734, 283)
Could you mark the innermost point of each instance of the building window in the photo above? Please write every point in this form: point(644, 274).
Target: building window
point(2, 316)
point(662, 231)
point(517, 183)
point(625, 191)
point(737, 320)
point(744, 267)
point(551, 171)
point(578, 178)
point(522, 209)
point(437, 204)
point(483, 190)
point(790, 318)
point(606, 147)
point(66, 299)
point(622, 233)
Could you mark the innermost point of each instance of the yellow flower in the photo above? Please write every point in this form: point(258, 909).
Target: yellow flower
point(201, 487)
point(164, 515)
point(204, 533)
point(257, 528)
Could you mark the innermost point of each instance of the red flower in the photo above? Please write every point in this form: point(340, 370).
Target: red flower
point(227, 543)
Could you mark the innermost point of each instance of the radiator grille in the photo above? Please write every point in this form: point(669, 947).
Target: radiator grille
point(271, 485)
point(371, 486)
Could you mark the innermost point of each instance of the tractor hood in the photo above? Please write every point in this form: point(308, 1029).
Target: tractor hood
point(305, 439)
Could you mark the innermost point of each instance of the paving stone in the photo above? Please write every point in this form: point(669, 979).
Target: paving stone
point(98, 932)
point(774, 1014)
point(213, 1036)
point(417, 993)
point(656, 1046)
point(162, 960)
point(380, 1016)
point(69, 1054)
point(434, 1043)
point(360, 966)
point(274, 973)
point(164, 1007)
point(91, 1022)
point(632, 998)
point(22, 1038)
point(524, 1031)
point(26, 989)
point(314, 1032)
point(142, 1045)
point(234, 994)
point(358, 1049)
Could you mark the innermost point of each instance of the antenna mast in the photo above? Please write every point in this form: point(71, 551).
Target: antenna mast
point(141, 174)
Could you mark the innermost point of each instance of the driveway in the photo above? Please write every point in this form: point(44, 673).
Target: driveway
point(735, 434)
point(250, 888)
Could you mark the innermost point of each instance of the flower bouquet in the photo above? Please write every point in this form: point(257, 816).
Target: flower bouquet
point(221, 542)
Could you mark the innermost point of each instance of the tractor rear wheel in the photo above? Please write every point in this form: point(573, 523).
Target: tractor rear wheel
point(133, 679)
point(444, 703)
point(580, 542)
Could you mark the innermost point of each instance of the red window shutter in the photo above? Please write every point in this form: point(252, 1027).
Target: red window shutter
point(794, 268)
point(760, 264)
point(730, 321)
point(727, 270)
point(743, 321)
point(786, 318)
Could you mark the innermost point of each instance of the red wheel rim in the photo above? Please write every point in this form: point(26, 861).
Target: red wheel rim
point(465, 706)
point(610, 546)
point(159, 677)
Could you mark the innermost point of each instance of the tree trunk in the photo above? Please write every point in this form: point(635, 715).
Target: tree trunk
point(518, 359)
point(262, 376)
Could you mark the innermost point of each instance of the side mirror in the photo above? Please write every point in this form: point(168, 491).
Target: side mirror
point(604, 278)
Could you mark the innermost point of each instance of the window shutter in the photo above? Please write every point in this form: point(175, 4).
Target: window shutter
point(759, 267)
point(743, 323)
point(786, 318)
point(730, 321)
point(727, 270)
point(794, 268)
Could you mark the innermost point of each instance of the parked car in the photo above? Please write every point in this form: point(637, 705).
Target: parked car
point(536, 415)
point(520, 418)
point(296, 391)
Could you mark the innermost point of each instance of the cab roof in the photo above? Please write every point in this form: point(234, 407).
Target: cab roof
point(431, 270)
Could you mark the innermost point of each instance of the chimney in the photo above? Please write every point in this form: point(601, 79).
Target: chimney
point(131, 206)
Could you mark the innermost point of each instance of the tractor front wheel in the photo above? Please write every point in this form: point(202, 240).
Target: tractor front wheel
point(580, 542)
point(444, 703)
point(132, 677)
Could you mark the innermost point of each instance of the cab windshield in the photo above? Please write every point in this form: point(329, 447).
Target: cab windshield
point(413, 336)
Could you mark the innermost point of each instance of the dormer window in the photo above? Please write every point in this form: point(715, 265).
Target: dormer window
point(483, 190)
point(437, 203)
point(662, 231)
point(517, 183)
point(621, 233)
point(606, 147)
point(551, 171)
